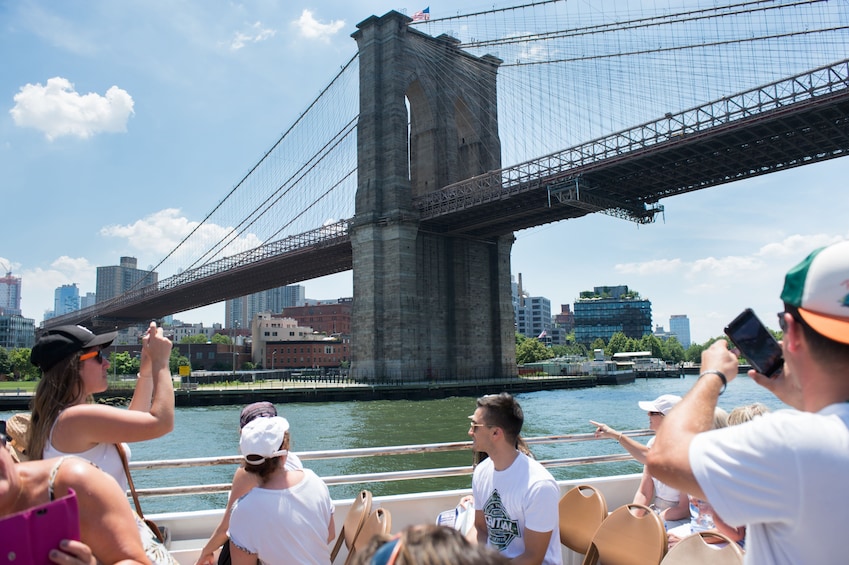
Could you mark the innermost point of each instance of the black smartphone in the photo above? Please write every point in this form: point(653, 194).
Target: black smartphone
point(755, 343)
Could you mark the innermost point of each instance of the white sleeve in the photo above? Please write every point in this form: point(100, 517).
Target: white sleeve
point(748, 472)
point(541, 512)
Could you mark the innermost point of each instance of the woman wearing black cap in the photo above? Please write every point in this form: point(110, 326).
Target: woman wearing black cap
point(64, 419)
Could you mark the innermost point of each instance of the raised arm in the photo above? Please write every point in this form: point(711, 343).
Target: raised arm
point(143, 393)
point(83, 425)
point(637, 450)
point(669, 459)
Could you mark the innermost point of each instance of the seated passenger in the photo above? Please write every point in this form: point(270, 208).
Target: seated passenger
point(672, 505)
point(243, 482)
point(107, 526)
point(702, 515)
point(288, 518)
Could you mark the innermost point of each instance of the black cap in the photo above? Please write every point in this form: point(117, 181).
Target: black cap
point(63, 341)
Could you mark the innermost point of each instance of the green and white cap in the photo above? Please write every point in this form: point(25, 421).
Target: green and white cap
point(819, 288)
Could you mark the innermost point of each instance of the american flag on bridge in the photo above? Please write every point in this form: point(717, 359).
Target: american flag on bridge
point(422, 15)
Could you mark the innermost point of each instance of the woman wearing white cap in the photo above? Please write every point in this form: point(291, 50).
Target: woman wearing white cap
point(288, 518)
point(243, 482)
point(672, 505)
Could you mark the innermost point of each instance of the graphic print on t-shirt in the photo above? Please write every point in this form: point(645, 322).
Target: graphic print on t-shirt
point(502, 530)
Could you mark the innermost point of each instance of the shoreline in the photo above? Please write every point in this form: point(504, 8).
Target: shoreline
point(317, 391)
point(305, 391)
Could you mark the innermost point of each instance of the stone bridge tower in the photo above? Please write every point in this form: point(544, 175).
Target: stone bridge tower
point(426, 305)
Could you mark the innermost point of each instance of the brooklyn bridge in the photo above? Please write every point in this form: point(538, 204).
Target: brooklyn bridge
point(428, 150)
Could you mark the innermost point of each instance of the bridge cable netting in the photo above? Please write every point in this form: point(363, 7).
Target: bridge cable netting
point(572, 72)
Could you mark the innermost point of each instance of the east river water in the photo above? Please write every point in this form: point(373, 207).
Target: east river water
point(213, 431)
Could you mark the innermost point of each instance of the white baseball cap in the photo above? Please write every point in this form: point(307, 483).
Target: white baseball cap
point(662, 404)
point(261, 439)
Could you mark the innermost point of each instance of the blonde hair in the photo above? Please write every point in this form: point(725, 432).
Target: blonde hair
point(746, 413)
point(720, 418)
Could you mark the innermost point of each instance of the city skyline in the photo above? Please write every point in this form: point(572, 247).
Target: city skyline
point(157, 151)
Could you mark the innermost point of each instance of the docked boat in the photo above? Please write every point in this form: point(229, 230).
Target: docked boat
point(190, 530)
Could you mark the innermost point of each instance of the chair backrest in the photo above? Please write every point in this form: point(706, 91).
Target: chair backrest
point(357, 514)
point(378, 522)
point(631, 535)
point(695, 550)
point(582, 509)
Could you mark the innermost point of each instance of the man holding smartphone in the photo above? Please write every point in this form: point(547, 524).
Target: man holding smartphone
point(782, 475)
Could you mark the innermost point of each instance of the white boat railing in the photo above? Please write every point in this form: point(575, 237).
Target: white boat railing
point(387, 476)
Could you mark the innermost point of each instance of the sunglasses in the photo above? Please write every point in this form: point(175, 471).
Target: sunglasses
point(96, 355)
point(473, 425)
point(655, 413)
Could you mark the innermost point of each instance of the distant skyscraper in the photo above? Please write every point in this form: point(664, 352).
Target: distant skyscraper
point(117, 279)
point(679, 325)
point(238, 312)
point(66, 299)
point(10, 294)
point(532, 313)
point(89, 299)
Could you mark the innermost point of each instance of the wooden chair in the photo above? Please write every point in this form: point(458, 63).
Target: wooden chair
point(378, 522)
point(354, 521)
point(624, 538)
point(695, 550)
point(582, 509)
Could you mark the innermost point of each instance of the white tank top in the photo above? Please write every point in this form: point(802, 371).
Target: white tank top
point(104, 455)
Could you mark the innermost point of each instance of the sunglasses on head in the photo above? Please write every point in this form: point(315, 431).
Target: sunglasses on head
point(96, 355)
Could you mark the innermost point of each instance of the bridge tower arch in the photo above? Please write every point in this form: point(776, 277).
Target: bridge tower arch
point(426, 305)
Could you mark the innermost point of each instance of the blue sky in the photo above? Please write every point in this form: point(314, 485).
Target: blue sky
point(121, 123)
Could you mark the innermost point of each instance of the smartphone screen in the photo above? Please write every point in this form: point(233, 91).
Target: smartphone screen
point(755, 343)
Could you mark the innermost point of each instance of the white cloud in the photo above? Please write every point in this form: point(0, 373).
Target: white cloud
point(39, 285)
point(159, 233)
point(661, 266)
point(256, 34)
point(57, 110)
point(310, 28)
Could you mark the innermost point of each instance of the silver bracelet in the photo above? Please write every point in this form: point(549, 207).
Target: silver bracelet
point(719, 374)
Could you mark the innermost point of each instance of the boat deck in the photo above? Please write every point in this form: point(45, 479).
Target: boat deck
point(190, 530)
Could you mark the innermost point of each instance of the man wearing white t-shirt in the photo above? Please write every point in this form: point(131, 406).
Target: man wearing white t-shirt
point(515, 497)
point(782, 475)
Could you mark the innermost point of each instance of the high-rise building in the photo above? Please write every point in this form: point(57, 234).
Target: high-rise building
point(679, 325)
point(10, 294)
point(115, 280)
point(66, 299)
point(16, 331)
point(89, 299)
point(532, 314)
point(239, 312)
point(608, 310)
